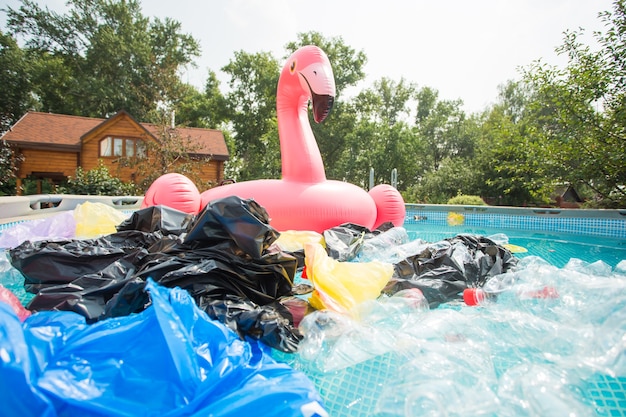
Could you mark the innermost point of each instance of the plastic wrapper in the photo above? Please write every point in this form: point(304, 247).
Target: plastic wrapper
point(47, 263)
point(7, 297)
point(344, 242)
point(340, 286)
point(58, 227)
point(96, 219)
point(444, 269)
point(170, 359)
point(294, 240)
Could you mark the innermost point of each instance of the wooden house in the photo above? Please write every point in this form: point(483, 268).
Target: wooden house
point(53, 146)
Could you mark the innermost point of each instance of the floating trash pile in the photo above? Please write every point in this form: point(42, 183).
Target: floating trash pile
point(376, 322)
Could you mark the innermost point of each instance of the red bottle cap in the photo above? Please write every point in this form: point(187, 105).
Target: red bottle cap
point(473, 296)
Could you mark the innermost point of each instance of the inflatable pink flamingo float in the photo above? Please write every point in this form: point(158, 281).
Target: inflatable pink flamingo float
point(304, 199)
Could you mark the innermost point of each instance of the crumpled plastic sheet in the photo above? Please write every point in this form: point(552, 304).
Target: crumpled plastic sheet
point(341, 286)
point(170, 359)
point(87, 220)
point(61, 226)
point(226, 253)
point(344, 242)
point(96, 219)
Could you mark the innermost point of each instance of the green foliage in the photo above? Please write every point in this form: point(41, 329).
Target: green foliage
point(206, 109)
point(32, 185)
point(455, 176)
point(8, 168)
point(100, 57)
point(252, 110)
point(97, 181)
point(467, 200)
point(15, 99)
point(579, 112)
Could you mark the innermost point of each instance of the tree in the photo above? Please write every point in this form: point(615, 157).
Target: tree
point(252, 109)
point(8, 168)
point(382, 138)
point(15, 99)
point(206, 110)
point(102, 56)
point(582, 111)
point(440, 126)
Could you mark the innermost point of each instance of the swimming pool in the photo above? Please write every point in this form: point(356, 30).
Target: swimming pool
point(565, 356)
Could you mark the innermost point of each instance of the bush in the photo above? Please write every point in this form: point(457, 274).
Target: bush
point(467, 200)
point(97, 181)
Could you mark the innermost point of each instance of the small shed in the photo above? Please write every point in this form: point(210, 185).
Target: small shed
point(566, 196)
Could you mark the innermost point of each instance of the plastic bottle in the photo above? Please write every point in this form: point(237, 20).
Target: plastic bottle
point(508, 286)
point(382, 246)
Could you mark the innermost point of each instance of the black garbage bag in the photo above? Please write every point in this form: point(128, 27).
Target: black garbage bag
point(46, 264)
point(344, 242)
point(89, 294)
point(271, 323)
point(444, 269)
point(162, 219)
point(243, 225)
point(211, 273)
point(227, 254)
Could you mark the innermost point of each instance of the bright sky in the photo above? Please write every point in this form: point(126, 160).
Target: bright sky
point(462, 48)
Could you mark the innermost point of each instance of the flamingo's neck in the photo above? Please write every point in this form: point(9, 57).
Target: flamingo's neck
point(300, 155)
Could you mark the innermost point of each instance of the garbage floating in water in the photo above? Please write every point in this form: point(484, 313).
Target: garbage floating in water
point(414, 349)
point(562, 354)
point(170, 359)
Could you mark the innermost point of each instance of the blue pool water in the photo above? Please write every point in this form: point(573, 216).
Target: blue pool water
point(556, 248)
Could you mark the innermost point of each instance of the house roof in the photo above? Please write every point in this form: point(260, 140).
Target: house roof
point(60, 131)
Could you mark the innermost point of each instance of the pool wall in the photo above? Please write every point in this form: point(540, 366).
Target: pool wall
point(601, 223)
point(16, 209)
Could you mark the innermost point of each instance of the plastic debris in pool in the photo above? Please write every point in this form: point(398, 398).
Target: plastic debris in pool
point(171, 359)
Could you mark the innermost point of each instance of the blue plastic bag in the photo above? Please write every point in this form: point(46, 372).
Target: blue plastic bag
point(169, 360)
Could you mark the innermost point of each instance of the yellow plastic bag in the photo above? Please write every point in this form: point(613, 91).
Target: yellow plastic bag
point(294, 240)
point(340, 286)
point(96, 219)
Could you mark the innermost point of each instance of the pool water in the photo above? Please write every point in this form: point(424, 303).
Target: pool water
point(556, 248)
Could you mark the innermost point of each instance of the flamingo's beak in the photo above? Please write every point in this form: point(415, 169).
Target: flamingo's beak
point(322, 104)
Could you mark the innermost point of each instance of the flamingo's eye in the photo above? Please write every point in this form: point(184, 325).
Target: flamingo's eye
point(292, 68)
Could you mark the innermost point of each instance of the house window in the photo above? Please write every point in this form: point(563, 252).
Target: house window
point(122, 147)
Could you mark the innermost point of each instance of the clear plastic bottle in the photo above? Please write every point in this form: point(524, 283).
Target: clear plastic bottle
point(506, 288)
point(383, 246)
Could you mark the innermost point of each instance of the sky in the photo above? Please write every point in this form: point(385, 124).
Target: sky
point(464, 49)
